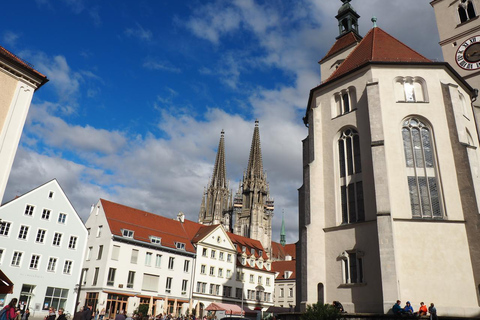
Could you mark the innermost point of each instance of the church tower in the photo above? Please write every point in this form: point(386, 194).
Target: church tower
point(253, 207)
point(216, 205)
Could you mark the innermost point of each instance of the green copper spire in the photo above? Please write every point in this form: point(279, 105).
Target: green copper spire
point(282, 232)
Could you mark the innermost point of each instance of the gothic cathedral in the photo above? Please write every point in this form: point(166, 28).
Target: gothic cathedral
point(250, 213)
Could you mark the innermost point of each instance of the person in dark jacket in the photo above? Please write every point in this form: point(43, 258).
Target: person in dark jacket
point(26, 314)
point(87, 313)
point(61, 314)
point(51, 314)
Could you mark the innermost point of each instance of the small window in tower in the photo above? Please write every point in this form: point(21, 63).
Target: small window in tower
point(470, 10)
point(462, 14)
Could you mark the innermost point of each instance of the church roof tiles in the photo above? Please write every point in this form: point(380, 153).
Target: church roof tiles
point(377, 46)
point(342, 43)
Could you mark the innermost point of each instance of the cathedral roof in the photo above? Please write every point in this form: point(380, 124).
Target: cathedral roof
point(145, 224)
point(255, 164)
point(377, 46)
point(249, 244)
point(280, 267)
point(342, 43)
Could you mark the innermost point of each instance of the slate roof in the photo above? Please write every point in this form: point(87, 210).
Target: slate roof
point(377, 46)
point(342, 43)
point(145, 224)
point(281, 267)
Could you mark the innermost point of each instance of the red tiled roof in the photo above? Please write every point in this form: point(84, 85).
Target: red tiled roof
point(145, 224)
point(377, 46)
point(249, 244)
point(281, 267)
point(4, 52)
point(279, 252)
point(344, 42)
point(202, 232)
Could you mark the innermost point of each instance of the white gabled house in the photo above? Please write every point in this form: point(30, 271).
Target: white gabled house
point(42, 243)
point(135, 257)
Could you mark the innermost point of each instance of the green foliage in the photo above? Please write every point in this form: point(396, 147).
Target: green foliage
point(143, 309)
point(321, 312)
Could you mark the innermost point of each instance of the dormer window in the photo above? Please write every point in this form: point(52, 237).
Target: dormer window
point(260, 264)
point(127, 233)
point(155, 240)
point(244, 248)
point(287, 274)
point(180, 245)
point(253, 252)
point(260, 253)
point(244, 261)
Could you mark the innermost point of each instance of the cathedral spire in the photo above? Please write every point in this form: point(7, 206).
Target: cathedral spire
point(219, 177)
point(282, 232)
point(255, 164)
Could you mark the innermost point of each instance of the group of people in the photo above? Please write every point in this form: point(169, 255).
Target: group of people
point(408, 311)
point(13, 312)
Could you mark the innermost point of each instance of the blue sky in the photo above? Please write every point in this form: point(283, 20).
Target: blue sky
point(140, 90)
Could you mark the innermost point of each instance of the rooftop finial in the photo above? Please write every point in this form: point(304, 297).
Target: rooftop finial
point(346, 1)
point(222, 133)
point(256, 122)
point(374, 20)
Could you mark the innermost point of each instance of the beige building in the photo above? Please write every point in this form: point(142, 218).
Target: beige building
point(18, 81)
point(388, 206)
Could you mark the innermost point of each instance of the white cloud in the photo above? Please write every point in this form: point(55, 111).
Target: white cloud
point(139, 32)
point(154, 64)
point(10, 38)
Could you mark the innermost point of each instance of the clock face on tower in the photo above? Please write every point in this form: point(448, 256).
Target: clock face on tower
point(468, 54)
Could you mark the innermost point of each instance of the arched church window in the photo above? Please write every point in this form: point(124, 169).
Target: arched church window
point(420, 159)
point(466, 10)
point(344, 101)
point(351, 187)
point(411, 89)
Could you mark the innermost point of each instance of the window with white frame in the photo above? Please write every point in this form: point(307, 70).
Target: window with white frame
point(212, 271)
point(260, 280)
point(410, 89)
point(72, 244)
point(130, 279)
point(111, 276)
point(220, 255)
point(155, 240)
point(229, 257)
point(186, 265)
point(168, 285)
point(99, 231)
point(57, 239)
point(148, 259)
point(40, 238)
point(2, 251)
point(251, 278)
point(46, 214)
point(55, 298)
point(267, 281)
point(351, 187)
point(281, 294)
point(4, 228)
point(227, 291)
point(217, 289)
point(34, 261)
point(352, 266)
point(290, 292)
point(29, 210)
point(420, 158)
point(180, 245)
point(134, 256)
point(115, 252)
point(95, 276)
point(203, 269)
point(52, 264)
point(23, 232)
point(204, 252)
point(184, 286)
point(466, 10)
point(158, 260)
point(344, 101)
point(220, 272)
point(212, 254)
point(171, 262)
point(67, 267)
point(89, 253)
point(62, 218)
point(100, 252)
point(127, 233)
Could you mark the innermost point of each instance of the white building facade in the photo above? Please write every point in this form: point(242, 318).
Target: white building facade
point(135, 257)
point(42, 244)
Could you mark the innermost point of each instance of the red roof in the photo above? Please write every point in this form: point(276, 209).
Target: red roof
point(249, 244)
point(145, 224)
point(377, 46)
point(342, 43)
point(279, 252)
point(281, 267)
point(7, 54)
